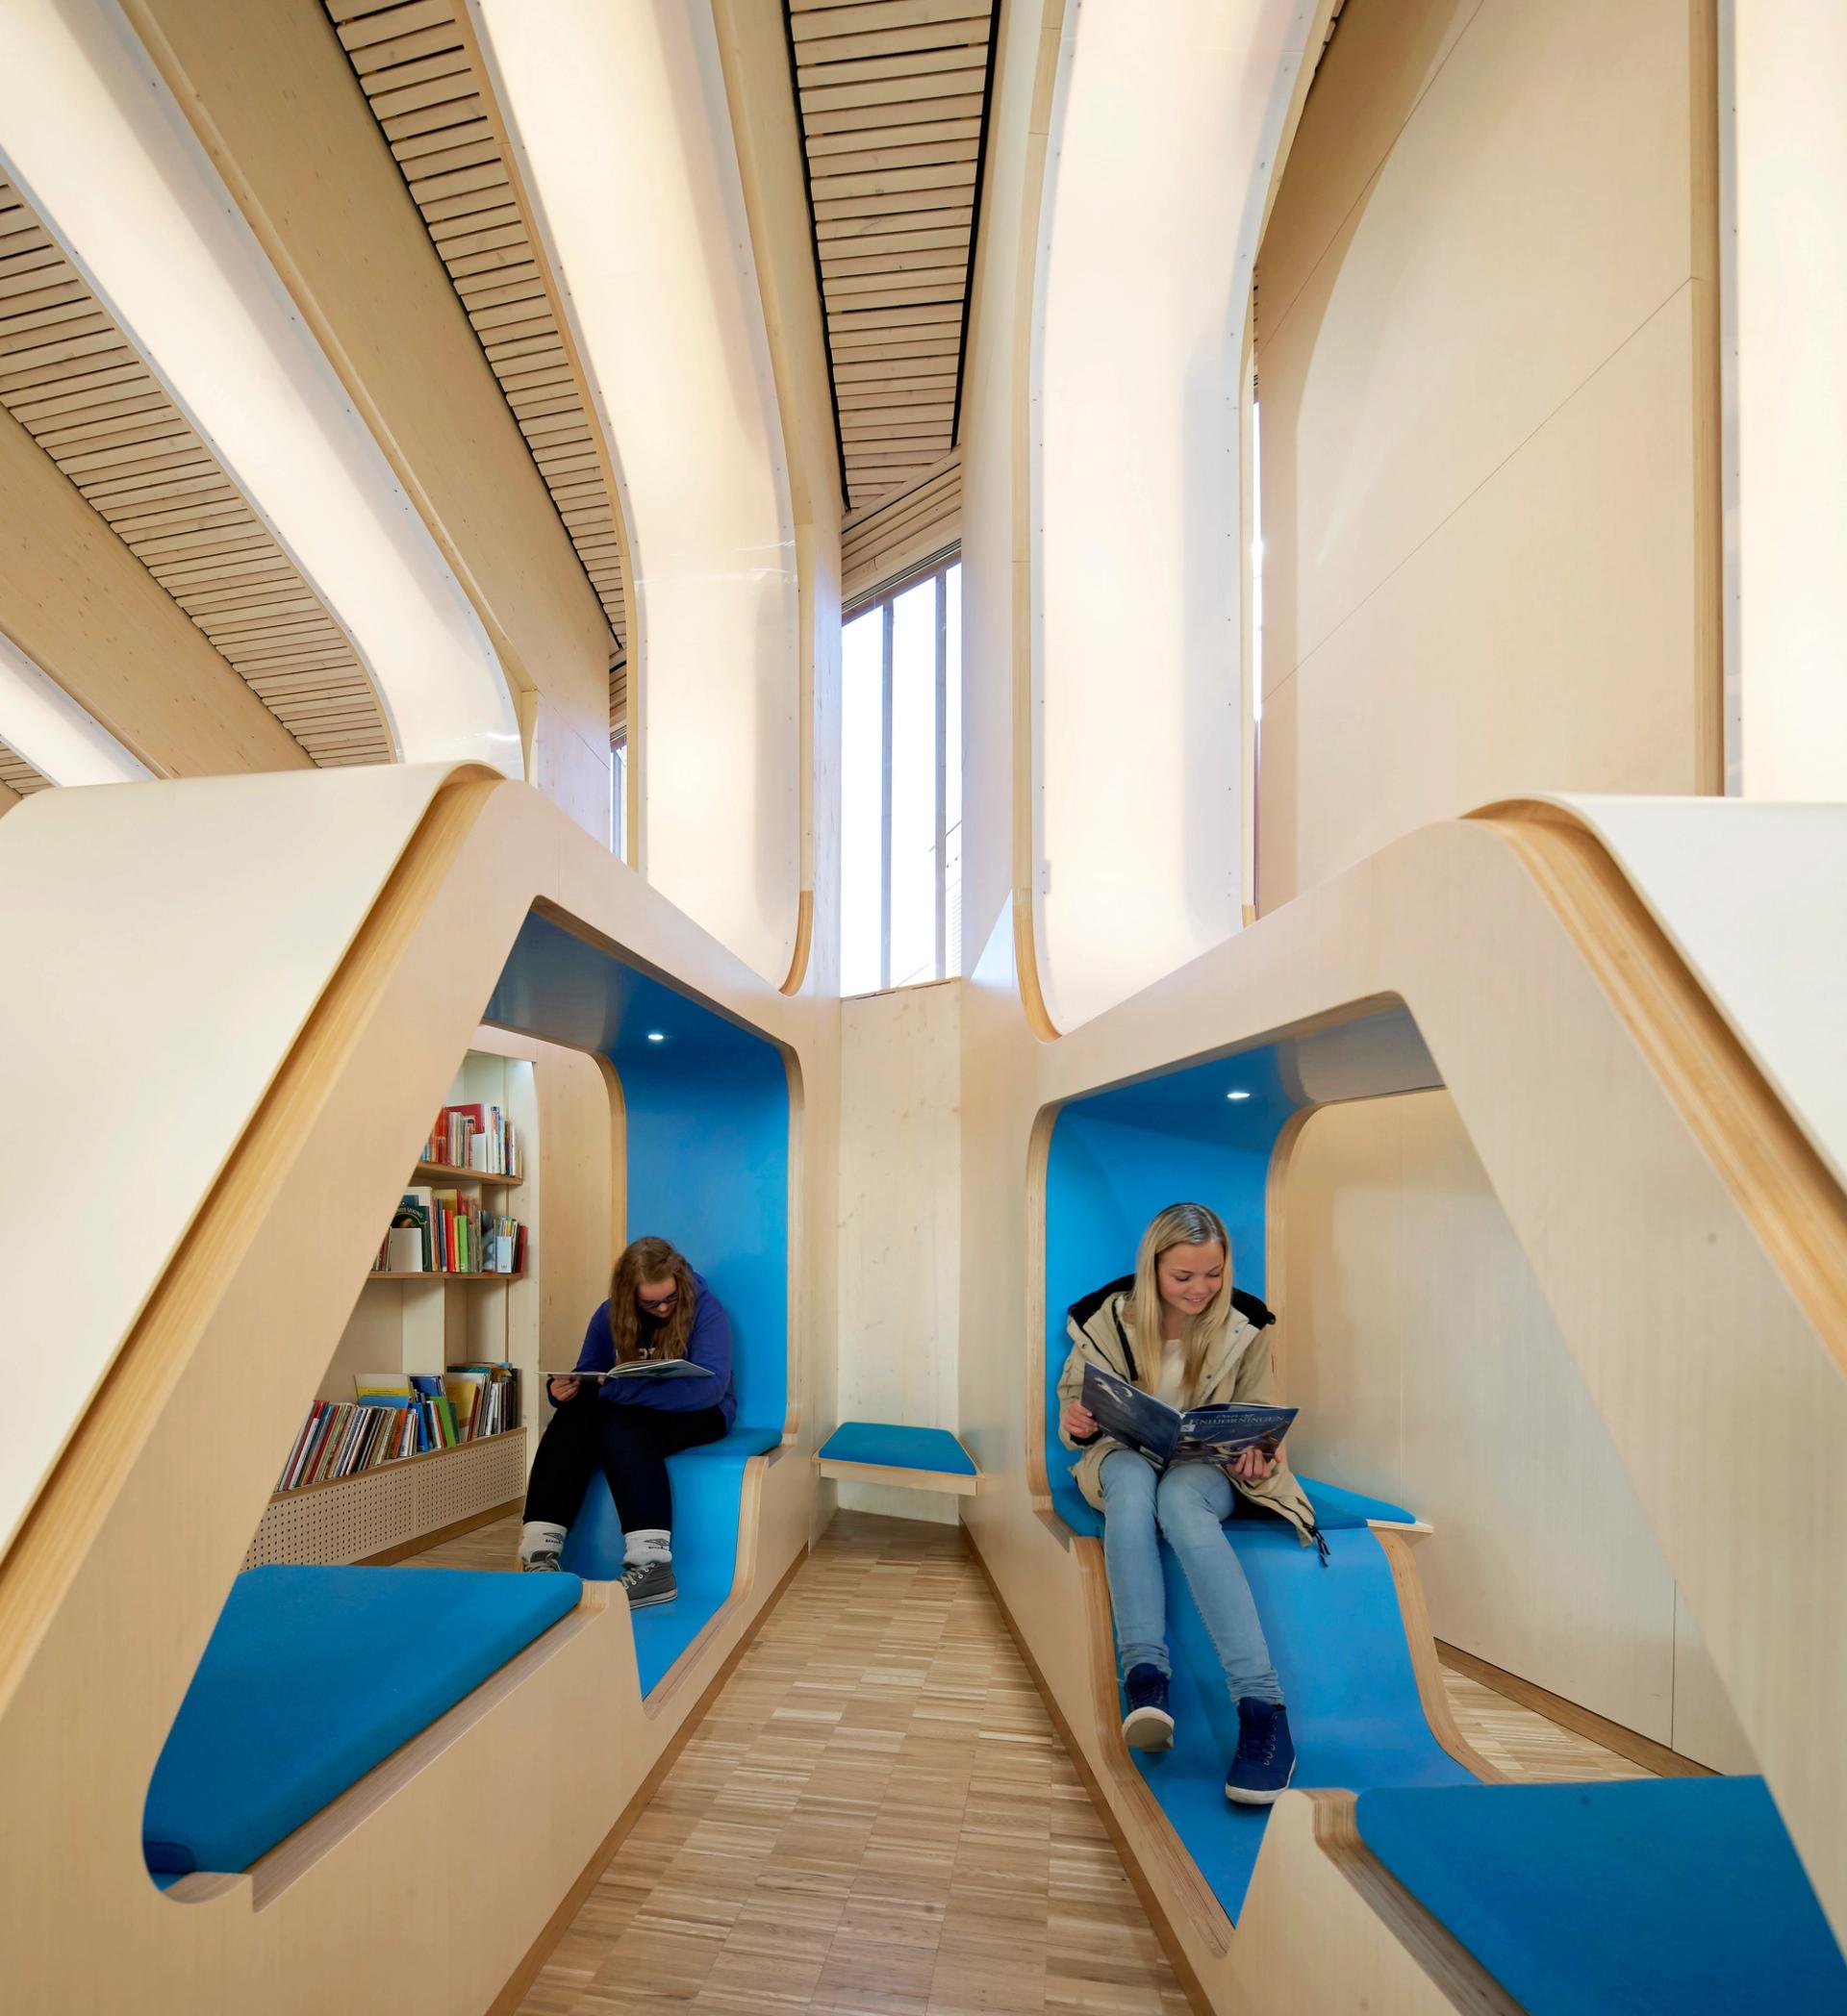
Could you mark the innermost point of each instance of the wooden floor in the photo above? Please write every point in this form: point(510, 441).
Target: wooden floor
point(876, 1818)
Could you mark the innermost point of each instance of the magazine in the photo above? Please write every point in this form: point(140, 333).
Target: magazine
point(639, 1368)
point(1166, 1436)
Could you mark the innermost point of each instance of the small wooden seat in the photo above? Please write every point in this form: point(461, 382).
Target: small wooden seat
point(882, 1452)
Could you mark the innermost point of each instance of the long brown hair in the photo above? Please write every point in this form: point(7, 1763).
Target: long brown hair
point(1180, 1224)
point(649, 1260)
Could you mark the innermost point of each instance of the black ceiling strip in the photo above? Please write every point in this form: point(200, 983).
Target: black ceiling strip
point(974, 220)
point(814, 244)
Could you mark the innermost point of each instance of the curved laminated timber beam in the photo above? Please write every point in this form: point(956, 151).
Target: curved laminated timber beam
point(1628, 1002)
point(87, 398)
point(364, 958)
point(274, 101)
point(88, 612)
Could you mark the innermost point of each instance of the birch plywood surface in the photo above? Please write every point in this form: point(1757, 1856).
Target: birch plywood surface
point(72, 378)
point(894, 99)
point(418, 67)
point(876, 1815)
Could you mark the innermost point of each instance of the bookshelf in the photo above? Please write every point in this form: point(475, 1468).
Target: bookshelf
point(448, 1172)
point(446, 1279)
point(421, 1322)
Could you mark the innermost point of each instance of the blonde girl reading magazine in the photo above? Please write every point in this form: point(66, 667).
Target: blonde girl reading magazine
point(1173, 1330)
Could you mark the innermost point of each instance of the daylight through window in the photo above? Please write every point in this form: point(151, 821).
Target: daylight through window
point(901, 894)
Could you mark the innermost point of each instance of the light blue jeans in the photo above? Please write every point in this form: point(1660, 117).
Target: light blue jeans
point(1188, 1506)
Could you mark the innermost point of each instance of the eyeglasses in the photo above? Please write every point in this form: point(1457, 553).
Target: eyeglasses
point(660, 1305)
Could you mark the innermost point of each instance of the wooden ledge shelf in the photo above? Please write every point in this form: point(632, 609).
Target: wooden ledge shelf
point(449, 1173)
point(433, 1274)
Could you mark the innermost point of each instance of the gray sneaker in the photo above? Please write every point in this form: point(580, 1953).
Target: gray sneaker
point(649, 1582)
point(543, 1562)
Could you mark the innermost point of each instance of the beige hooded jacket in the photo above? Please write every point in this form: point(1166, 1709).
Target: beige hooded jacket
point(1237, 1368)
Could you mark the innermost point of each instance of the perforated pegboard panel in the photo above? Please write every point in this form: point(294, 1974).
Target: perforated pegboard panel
point(383, 1508)
point(481, 1475)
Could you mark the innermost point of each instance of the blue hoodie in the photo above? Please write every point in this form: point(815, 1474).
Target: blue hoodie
point(709, 1344)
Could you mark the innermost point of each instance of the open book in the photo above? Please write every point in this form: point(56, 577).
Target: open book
point(639, 1368)
point(1164, 1435)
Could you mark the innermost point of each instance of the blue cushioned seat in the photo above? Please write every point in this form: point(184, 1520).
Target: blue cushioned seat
point(1337, 1637)
point(897, 1447)
point(1621, 1898)
point(311, 1677)
point(708, 1487)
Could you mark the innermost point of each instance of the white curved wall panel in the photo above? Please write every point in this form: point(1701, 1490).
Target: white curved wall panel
point(41, 723)
point(1792, 181)
point(93, 135)
point(620, 118)
point(1163, 128)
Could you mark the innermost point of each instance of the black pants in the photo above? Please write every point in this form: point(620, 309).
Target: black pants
point(631, 1444)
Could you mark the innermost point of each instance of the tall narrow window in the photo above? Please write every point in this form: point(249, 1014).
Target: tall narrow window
point(901, 894)
point(618, 799)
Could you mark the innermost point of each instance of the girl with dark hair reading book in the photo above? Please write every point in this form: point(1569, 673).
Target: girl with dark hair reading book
point(654, 1378)
point(1178, 1331)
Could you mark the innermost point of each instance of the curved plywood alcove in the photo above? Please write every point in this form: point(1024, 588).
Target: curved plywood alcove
point(1620, 999)
point(707, 1110)
point(1210, 1132)
point(363, 920)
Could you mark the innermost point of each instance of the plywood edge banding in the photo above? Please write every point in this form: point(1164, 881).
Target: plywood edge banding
point(1442, 1957)
point(107, 1435)
point(1772, 1170)
point(963, 1486)
point(1432, 1694)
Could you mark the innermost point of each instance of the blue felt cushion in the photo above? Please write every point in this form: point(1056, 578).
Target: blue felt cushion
point(897, 1448)
point(1626, 1898)
point(1337, 1637)
point(708, 1485)
point(311, 1677)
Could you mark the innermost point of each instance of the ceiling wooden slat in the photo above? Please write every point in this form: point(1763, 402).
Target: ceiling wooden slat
point(416, 63)
point(18, 775)
point(893, 98)
point(77, 385)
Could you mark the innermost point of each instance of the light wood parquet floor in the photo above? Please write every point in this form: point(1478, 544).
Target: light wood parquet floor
point(876, 1817)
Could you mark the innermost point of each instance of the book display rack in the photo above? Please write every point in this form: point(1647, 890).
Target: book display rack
point(419, 1425)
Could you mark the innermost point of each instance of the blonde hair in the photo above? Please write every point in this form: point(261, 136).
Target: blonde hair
point(1178, 1225)
point(649, 1260)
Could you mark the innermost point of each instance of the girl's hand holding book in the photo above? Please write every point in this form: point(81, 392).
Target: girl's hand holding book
point(1252, 1464)
point(1078, 1419)
point(565, 1390)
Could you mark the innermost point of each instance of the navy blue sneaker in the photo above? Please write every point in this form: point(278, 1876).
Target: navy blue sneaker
point(1266, 1759)
point(1147, 1725)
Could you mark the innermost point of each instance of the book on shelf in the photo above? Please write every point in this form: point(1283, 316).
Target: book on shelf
point(480, 1137)
point(398, 1414)
point(443, 1232)
point(484, 1394)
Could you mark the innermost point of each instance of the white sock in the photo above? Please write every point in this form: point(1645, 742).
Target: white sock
point(646, 1544)
point(539, 1536)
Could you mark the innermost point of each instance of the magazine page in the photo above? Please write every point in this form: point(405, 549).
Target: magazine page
point(1217, 1434)
point(1132, 1416)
